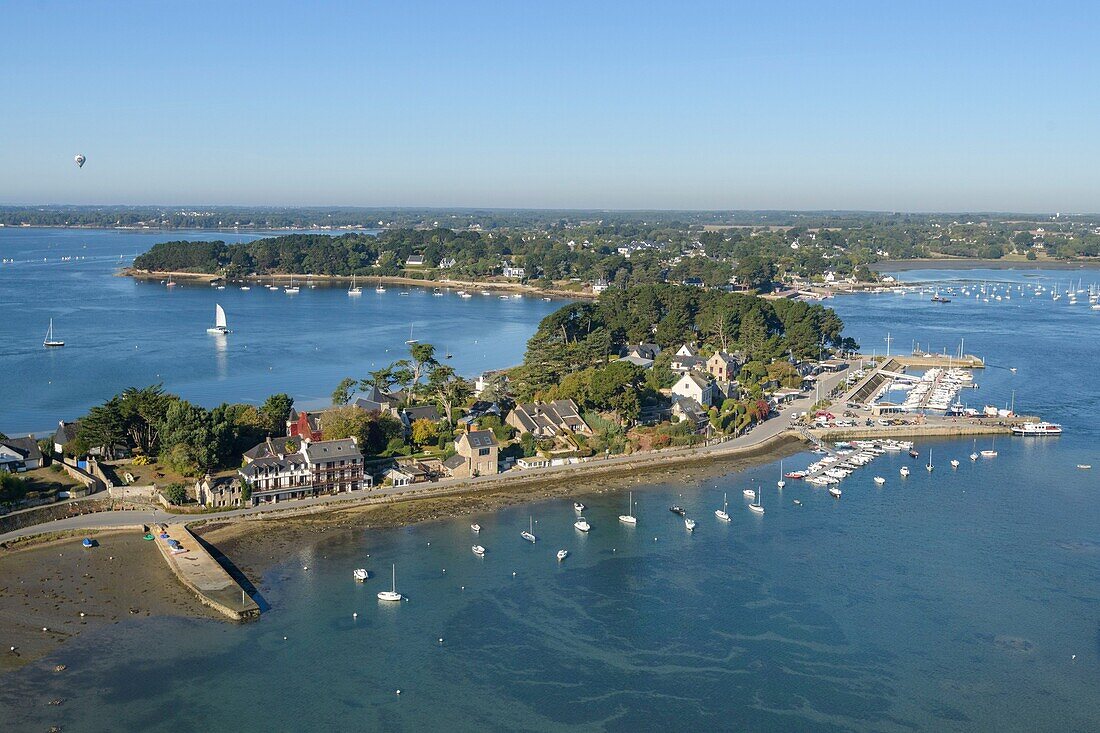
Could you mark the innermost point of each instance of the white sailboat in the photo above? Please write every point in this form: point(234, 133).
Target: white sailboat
point(50, 341)
point(929, 467)
point(410, 341)
point(992, 452)
point(354, 289)
point(781, 482)
point(756, 505)
point(529, 533)
point(629, 518)
point(220, 326)
point(392, 594)
point(292, 289)
point(723, 513)
point(974, 451)
point(379, 289)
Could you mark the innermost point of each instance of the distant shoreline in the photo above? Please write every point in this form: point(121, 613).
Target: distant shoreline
point(363, 281)
point(979, 264)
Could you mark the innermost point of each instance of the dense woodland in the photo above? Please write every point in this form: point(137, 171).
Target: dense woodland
point(572, 352)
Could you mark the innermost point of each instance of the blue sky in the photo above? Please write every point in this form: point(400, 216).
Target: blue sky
point(733, 105)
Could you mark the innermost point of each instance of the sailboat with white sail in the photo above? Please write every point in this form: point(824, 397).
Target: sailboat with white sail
point(51, 342)
point(354, 289)
point(220, 327)
point(410, 341)
point(529, 533)
point(379, 289)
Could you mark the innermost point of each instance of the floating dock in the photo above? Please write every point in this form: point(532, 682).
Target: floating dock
point(203, 575)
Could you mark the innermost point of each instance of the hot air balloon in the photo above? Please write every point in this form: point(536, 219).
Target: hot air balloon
point(79, 160)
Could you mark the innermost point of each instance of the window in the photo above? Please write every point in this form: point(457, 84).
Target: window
point(483, 451)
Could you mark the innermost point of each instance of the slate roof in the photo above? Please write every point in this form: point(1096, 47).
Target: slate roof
point(480, 439)
point(66, 431)
point(270, 447)
point(454, 462)
point(26, 447)
point(328, 450)
point(422, 412)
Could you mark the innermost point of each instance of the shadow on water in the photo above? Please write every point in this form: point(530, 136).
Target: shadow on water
point(236, 573)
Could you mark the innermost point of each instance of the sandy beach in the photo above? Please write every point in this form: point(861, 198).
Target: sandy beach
point(48, 585)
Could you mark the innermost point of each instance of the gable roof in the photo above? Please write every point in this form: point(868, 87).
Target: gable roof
point(270, 447)
point(327, 450)
point(26, 447)
point(66, 431)
point(479, 439)
point(422, 412)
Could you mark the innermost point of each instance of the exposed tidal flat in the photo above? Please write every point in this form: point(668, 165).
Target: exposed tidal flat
point(954, 600)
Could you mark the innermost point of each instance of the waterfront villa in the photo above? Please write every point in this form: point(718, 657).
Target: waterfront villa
point(508, 270)
point(415, 261)
point(548, 419)
point(476, 456)
point(280, 469)
point(695, 386)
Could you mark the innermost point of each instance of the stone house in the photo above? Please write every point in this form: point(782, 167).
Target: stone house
point(476, 456)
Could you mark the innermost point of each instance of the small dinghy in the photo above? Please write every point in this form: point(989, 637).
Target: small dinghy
point(360, 574)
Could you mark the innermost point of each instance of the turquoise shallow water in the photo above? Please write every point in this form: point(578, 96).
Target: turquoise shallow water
point(947, 601)
point(120, 332)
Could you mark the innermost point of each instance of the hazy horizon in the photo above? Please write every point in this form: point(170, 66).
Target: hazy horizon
point(494, 105)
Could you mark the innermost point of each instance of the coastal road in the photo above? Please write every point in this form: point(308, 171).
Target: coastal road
point(759, 435)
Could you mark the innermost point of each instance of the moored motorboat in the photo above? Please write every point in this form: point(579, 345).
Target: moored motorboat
point(880, 480)
point(582, 524)
point(360, 574)
point(578, 507)
point(562, 554)
point(749, 493)
point(87, 543)
point(904, 470)
point(475, 527)
point(690, 524)
point(677, 509)
point(954, 463)
point(478, 550)
point(835, 492)
point(1037, 429)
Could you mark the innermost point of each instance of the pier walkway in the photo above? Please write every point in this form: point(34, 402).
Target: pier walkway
point(204, 576)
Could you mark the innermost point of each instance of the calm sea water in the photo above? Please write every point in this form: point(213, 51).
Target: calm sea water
point(120, 332)
point(948, 601)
